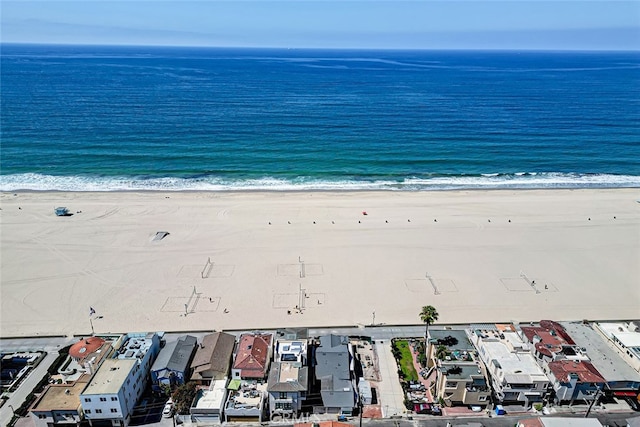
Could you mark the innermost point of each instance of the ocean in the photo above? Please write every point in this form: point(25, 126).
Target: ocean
point(88, 118)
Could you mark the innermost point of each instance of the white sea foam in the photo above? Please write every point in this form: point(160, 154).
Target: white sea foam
point(39, 182)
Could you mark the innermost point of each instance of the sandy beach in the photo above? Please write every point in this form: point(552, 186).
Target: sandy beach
point(265, 260)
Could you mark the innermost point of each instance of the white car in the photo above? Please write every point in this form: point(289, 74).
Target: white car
point(167, 412)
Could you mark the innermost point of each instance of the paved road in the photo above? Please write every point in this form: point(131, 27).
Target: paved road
point(8, 345)
point(389, 389)
point(375, 332)
point(18, 396)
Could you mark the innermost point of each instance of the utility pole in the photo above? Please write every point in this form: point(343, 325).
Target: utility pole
point(596, 397)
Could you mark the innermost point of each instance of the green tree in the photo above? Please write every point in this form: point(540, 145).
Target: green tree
point(428, 315)
point(183, 397)
point(441, 352)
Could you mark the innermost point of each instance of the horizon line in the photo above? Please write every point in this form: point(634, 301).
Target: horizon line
point(414, 49)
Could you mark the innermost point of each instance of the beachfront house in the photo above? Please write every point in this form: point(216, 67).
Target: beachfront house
point(246, 401)
point(119, 382)
point(622, 380)
point(460, 377)
point(624, 338)
point(171, 367)
point(551, 342)
point(213, 358)
point(574, 381)
point(333, 359)
point(252, 357)
point(59, 404)
point(86, 355)
point(288, 379)
point(515, 375)
point(208, 406)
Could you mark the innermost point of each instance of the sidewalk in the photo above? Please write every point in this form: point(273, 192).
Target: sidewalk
point(391, 396)
point(17, 397)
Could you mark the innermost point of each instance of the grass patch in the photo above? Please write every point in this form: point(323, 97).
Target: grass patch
point(405, 360)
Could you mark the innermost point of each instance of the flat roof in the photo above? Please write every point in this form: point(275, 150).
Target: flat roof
point(214, 397)
point(621, 331)
point(61, 397)
point(110, 376)
point(135, 345)
point(520, 363)
point(605, 359)
point(461, 371)
point(458, 335)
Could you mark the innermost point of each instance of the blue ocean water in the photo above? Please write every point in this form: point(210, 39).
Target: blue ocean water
point(124, 118)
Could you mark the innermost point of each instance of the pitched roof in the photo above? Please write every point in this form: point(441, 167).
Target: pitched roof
point(287, 377)
point(253, 355)
point(85, 347)
point(552, 337)
point(586, 372)
point(176, 355)
point(214, 353)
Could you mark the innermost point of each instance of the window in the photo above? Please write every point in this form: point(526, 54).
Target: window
point(86, 399)
point(98, 411)
point(103, 399)
point(284, 406)
point(283, 395)
point(451, 384)
point(87, 411)
point(114, 398)
point(114, 410)
point(482, 398)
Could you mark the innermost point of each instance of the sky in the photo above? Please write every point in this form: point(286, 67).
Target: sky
point(367, 24)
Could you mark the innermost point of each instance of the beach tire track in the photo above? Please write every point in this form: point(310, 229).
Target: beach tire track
point(60, 254)
point(107, 214)
point(223, 214)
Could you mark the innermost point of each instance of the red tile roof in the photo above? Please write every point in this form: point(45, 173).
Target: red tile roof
point(552, 337)
point(253, 355)
point(586, 372)
point(85, 347)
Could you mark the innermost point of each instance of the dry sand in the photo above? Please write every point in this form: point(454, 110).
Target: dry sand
point(473, 265)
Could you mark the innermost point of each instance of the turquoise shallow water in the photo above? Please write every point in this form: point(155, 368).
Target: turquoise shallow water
point(123, 118)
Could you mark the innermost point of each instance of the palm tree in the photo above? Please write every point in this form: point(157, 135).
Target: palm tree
point(428, 315)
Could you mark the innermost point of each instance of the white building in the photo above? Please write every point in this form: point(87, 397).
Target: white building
point(624, 338)
point(208, 406)
point(288, 379)
point(117, 385)
point(515, 374)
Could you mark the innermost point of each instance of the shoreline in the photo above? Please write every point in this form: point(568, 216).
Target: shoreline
point(270, 251)
point(321, 191)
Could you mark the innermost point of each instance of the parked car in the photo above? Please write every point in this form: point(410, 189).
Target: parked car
point(167, 412)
